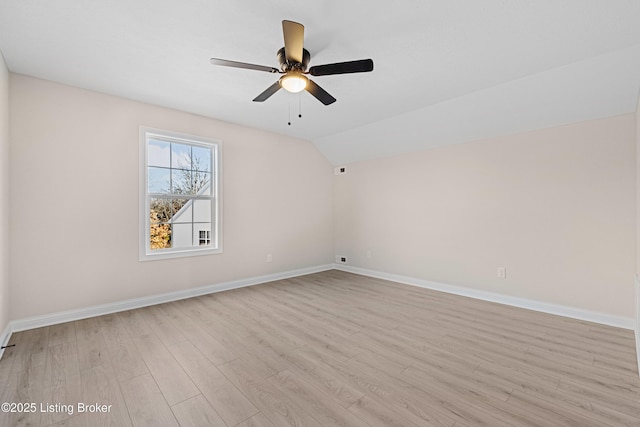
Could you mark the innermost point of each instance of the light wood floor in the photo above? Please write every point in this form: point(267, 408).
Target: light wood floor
point(326, 349)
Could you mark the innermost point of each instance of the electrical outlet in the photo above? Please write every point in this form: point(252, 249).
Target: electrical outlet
point(502, 272)
point(341, 259)
point(269, 257)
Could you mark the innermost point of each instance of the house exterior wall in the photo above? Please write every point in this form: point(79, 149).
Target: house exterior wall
point(186, 234)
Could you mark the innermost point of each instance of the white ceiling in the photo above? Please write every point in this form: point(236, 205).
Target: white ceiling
point(446, 71)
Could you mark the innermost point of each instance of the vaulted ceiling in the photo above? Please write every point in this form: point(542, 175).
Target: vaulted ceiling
point(446, 71)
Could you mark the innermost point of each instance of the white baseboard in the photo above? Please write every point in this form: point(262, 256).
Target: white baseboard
point(99, 310)
point(637, 283)
point(4, 338)
point(560, 310)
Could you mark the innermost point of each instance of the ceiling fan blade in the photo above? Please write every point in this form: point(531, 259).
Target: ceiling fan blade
point(236, 64)
point(360, 66)
point(293, 40)
point(267, 93)
point(320, 94)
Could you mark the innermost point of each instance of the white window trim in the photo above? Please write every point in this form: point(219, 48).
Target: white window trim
point(145, 252)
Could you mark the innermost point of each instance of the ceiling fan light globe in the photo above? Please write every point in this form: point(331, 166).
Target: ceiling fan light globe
point(293, 83)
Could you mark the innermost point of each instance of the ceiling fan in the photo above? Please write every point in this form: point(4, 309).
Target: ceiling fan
point(294, 58)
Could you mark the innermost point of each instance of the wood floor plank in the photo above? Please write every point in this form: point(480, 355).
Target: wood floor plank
point(315, 402)
point(301, 311)
point(207, 344)
point(258, 420)
point(62, 375)
point(146, 403)
point(27, 381)
point(515, 378)
point(11, 354)
point(226, 398)
point(378, 415)
point(24, 386)
point(627, 405)
point(544, 411)
point(174, 383)
point(265, 366)
point(408, 403)
point(77, 420)
point(92, 348)
point(8, 378)
point(62, 333)
point(468, 404)
point(575, 403)
point(99, 385)
point(197, 412)
point(124, 356)
point(616, 365)
point(135, 323)
point(33, 349)
point(223, 315)
point(273, 404)
point(161, 326)
point(333, 386)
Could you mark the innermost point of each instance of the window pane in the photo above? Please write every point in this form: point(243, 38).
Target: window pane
point(201, 182)
point(182, 182)
point(201, 159)
point(182, 235)
point(202, 211)
point(159, 153)
point(180, 156)
point(159, 180)
point(159, 236)
point(181, 210)
point(160, 210)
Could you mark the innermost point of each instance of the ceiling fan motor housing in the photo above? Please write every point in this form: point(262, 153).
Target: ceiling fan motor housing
point(287, 66)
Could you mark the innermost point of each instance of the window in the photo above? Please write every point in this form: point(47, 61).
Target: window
point(205, 237)
point(179, 192)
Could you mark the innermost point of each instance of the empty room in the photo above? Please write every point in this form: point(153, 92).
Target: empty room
point(297, 213)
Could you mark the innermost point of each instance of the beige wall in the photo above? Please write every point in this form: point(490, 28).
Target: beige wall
point(556, 207)
point(74, 201)
point(637, 299)
point(4, 195)
point(637, 130)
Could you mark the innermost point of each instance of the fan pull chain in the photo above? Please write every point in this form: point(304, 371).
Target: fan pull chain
point(299, 109)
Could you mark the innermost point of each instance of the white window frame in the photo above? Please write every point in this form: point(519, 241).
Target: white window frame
point(145, 251)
